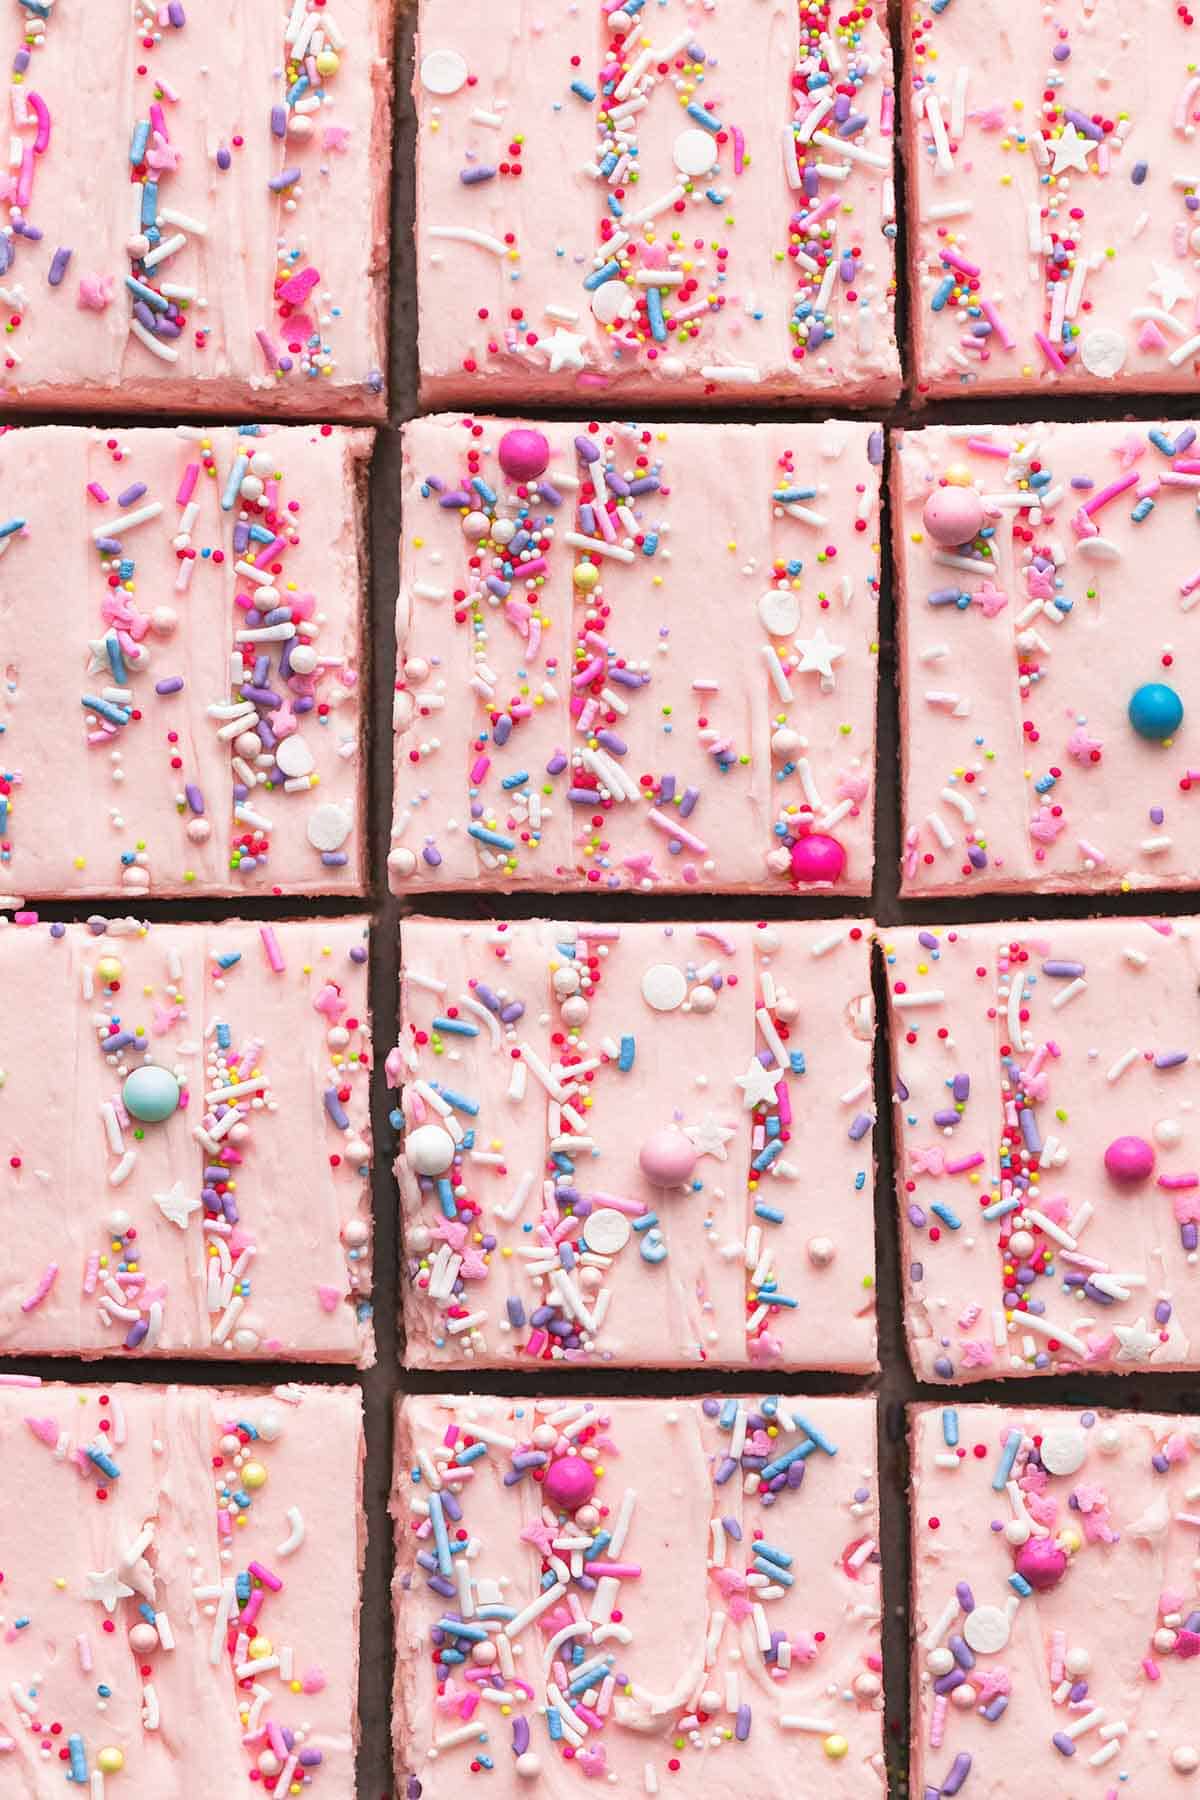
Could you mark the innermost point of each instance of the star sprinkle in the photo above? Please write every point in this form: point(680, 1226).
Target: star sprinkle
point(177, 1206)
point(1169, 287)
point(1071, 151)
point(818, 655)
point(1136, 1343)
point(564, 350)
point(758, 1084)
point(709, 1137)
point(105, 1587)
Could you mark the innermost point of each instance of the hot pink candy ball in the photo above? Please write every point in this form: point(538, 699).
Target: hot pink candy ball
point(667, 1157)
point(1129, 1159)
point(523, 453)
point(1042, 1563)
point(817, 858)
point(953, 515)
point(569, 1483)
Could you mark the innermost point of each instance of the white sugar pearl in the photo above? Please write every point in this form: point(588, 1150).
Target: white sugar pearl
point(429, 1150)
point(303, 659)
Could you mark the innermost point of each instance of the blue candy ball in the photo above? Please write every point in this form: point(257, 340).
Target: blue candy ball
point(150, 1094)
point(1155, 711)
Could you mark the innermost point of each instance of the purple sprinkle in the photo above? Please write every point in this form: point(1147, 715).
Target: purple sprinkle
point(58, 266)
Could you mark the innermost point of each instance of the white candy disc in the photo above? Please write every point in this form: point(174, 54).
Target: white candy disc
point(695, 152)
point(606, 1231)
point(612, 301)
point(664, 987)
point(329, 826)
point(986, 1630)
point(1103, 351)
point(779, 610)
point(1064, 1450)
point(294, 756)
point(443, 71)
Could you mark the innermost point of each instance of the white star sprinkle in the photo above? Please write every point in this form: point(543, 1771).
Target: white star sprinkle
point(1169, 287)
point(818, 655)
point(106, 1587)
point(758, 1083)
point(176, 1206)
point(564, 349)
point(709, 1137)
point(1137, 1344)
point(1071, 151)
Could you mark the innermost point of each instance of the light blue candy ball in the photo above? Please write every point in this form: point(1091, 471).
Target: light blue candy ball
point(1155, 711)
point(150, 1094)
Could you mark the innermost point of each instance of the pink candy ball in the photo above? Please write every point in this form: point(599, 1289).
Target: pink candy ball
point(953, 515)
point(1129, 1159)
point(569, 1483)
point(667, 1157)
point(817, 858)
point(524, 453)
point(1042, 1563)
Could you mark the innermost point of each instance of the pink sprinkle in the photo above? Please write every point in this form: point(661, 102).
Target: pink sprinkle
point(1095, 501)
point(42, 1289)
point(1049, 352)
point(297, 287)
point(739, 149)
point(271, 946)
point(97, 492)
point(42, 113)
point(187, 486)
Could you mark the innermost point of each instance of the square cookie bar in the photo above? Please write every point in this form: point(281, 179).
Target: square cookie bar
point(692, 1603)
point(1054, 1598)
point(1048, 1144)
point(184, 1126)
point(194, 210)
point(1049, 704)
point(206, 588)
point(625, 203)
point(182, 1593)
point(1053, 176)
point(637, 656)
point(636, 1144)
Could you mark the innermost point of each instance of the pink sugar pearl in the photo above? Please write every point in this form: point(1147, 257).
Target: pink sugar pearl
point(1129, 1159)
point(1042, 1563)
point(569, 1483)
point(667, 1157)
point(817, 858)
point(524, 453)
point(953, 515)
